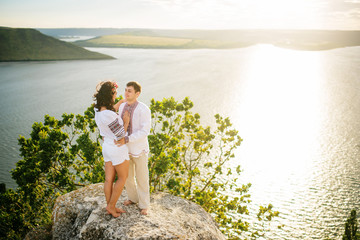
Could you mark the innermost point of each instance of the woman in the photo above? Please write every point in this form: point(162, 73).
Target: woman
point(116, 158)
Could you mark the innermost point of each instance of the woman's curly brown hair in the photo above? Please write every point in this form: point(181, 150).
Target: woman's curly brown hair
point(104, 95)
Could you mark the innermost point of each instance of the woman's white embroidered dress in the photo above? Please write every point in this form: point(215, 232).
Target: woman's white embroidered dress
point(111, 127)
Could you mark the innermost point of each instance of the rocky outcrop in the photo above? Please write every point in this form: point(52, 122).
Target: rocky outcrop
point(81, 214)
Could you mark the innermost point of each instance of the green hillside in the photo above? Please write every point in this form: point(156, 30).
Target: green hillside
point(148, 40)
point(295, 39)
point(22, 44)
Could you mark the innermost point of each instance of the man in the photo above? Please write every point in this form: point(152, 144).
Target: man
point(138, 145)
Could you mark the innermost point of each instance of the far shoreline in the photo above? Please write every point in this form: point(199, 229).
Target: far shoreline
point(143, 38)
point(228, 48)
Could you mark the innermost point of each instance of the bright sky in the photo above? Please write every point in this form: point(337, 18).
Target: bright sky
point(182, 14)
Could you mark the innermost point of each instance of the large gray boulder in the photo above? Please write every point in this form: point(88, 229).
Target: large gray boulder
point(81, 214)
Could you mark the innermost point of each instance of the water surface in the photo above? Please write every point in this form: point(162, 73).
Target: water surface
point(297, 111)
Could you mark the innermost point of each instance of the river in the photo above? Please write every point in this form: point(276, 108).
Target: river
point(297, 111)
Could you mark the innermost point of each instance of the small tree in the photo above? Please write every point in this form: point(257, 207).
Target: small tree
point(351, 227)
point(60, 156)
point(187, 160)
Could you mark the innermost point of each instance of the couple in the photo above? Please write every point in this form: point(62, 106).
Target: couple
point(124, 127)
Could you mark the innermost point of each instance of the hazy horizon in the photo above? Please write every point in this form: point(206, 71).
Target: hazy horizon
point(191, 29)
point(183, 14)
point(203, 29)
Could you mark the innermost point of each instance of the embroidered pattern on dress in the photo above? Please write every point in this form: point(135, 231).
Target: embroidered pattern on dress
point(117, 129)
point(130, 109)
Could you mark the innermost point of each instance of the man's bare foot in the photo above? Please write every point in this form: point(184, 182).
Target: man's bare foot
point(112, 211)
point(143, 212)
point(128, 202)
point(120, 210)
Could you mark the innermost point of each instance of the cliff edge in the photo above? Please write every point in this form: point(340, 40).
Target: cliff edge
point(81, 214)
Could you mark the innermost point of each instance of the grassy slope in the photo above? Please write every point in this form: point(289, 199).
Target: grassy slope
point(147, 41)
point(17, 44)
point(296, 39)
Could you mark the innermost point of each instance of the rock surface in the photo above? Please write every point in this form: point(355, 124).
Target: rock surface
point(81, 214)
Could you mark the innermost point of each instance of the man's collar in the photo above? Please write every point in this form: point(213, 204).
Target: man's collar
point(132, 103)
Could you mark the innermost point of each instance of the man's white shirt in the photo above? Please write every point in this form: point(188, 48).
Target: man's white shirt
point(140, 121)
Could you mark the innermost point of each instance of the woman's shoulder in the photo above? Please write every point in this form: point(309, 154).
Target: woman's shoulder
point(107, 116)
point(107, 112)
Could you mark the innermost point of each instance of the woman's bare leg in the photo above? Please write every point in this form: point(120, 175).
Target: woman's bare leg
point(110, 174)
point(122, 172)
point(109, 180)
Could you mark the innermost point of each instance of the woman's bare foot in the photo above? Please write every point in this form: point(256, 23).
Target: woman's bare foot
point(112, 211)
point(128, 202)
point(143, 212)
point(120, 210)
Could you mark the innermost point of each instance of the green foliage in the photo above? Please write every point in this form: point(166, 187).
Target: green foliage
point(59, 157)
point(351, 227)
point(18, 216)
point(187, 160)
point(60, 154)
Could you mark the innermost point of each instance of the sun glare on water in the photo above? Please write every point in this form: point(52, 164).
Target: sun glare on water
point(280, 111)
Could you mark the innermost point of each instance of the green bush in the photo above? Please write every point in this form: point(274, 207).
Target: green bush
point(190, 161)
point(187, 160)
point(351, 227)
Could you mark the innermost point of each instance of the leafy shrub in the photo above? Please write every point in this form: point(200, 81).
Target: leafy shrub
point(187, 160)
point(351, 227)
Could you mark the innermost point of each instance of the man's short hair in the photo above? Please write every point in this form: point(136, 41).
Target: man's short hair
point(135, 85)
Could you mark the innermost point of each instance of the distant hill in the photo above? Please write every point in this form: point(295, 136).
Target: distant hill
point(294, 39)
point(23, 44)
point(159, 38)
point(65, 32)
point(148, 41)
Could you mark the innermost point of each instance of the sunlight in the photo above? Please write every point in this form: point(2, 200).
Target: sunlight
point(279, 7)
point(283, 14)
point(232, 14)
point(280, 110)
